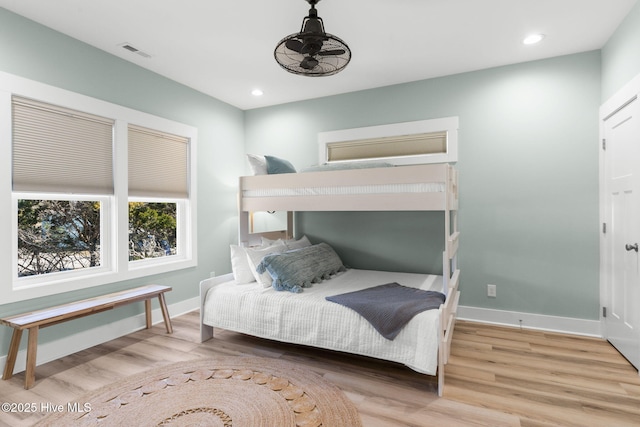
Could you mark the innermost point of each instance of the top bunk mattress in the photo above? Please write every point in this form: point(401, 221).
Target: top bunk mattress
point(415, 187)
point(343, 190)
point(307, 318)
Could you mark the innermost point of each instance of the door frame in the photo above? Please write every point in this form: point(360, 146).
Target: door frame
point(614, 104)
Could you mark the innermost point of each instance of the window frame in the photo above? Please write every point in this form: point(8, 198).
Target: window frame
point(182, 211)
point(116, 222)
point(105, 239)
point(445, 124)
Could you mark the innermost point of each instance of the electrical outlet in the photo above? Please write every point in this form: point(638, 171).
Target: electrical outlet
point(212, 274)
point(491, 291)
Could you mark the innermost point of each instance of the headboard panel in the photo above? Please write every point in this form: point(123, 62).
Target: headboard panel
point(247, 237)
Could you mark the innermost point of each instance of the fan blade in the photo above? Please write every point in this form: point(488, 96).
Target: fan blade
point(332, 52)
point(309, 63)
point(294, 45)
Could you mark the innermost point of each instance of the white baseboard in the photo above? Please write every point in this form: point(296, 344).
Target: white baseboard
point(566, 325)
point(86, 339)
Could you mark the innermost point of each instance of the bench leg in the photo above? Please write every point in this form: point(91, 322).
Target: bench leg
point(13, 354)
point(165, 313)
point(147, 312)
point(32, 349)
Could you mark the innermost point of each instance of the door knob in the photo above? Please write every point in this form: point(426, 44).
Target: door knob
point(633, 247)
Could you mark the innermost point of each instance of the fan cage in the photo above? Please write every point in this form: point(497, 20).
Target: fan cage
point(327, 65)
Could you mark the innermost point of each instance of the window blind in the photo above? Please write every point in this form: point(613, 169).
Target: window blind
point(56, 149)
point(158, 164)
point(392, 146)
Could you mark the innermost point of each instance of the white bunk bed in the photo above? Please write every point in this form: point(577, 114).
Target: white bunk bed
point(432, 187)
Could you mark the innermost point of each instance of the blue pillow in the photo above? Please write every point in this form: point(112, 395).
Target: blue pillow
point(299, 268)
point(276, 165)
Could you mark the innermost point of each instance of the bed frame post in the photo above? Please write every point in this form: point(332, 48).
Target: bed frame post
point(290, 225)
point(243, 229)
point(454, 258)
point(441, 350)
point(446, 264)
point(243, 219)
point(450, 275)
point(206, 331)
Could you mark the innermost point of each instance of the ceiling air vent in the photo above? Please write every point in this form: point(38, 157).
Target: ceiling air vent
point(135, 50)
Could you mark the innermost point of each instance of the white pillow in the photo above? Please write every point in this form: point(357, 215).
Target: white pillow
point(303, 242)
point(255, 257)
point(240, 265)
point(258, 164)
point(264, 242)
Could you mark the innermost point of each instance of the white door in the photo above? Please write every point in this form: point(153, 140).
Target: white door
point(622, 236)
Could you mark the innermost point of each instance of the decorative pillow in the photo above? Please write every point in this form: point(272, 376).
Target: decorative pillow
point(276, 165)
point(240, 265)
point(258, 164)
point(297, 269)
point(255, 257)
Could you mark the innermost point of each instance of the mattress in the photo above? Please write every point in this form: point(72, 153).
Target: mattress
point(307, 318)
point(429, 187)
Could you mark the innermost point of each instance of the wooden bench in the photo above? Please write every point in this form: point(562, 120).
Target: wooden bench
point(35, 320)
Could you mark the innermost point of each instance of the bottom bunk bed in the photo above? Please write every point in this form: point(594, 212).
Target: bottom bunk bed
point(308, 318)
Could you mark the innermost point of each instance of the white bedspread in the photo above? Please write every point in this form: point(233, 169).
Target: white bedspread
point(307, 318)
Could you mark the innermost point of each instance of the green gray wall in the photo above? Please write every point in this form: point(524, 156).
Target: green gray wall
point(621, 55)
point(38, 53)
point(528, 165)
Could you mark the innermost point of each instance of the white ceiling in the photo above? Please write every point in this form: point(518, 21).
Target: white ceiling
point(225, 48)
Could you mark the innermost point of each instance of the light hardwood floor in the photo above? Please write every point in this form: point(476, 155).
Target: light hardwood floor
point(496, 377)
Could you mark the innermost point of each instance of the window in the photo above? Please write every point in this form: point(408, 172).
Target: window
point(58, 235)
point(425, 141)
point(152, 230)
point(158, 179)
point(389, 146)
point(56, 152)
point(94, 192)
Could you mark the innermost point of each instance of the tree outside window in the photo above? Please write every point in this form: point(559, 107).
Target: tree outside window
point(64, 235)
point(152, 230)
point(57, 235)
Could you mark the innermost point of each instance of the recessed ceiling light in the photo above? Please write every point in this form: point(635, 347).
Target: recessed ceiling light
point(257, 92)
point(533, 39)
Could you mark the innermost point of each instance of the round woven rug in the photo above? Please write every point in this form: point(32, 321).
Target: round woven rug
point(219, 392)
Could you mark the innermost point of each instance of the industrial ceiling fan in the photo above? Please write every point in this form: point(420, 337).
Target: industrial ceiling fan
point(312, 52)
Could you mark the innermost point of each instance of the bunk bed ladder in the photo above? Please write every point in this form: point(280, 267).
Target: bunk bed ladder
point(450, 275)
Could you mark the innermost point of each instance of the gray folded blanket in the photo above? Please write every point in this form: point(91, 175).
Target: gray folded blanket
point(389, 307)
